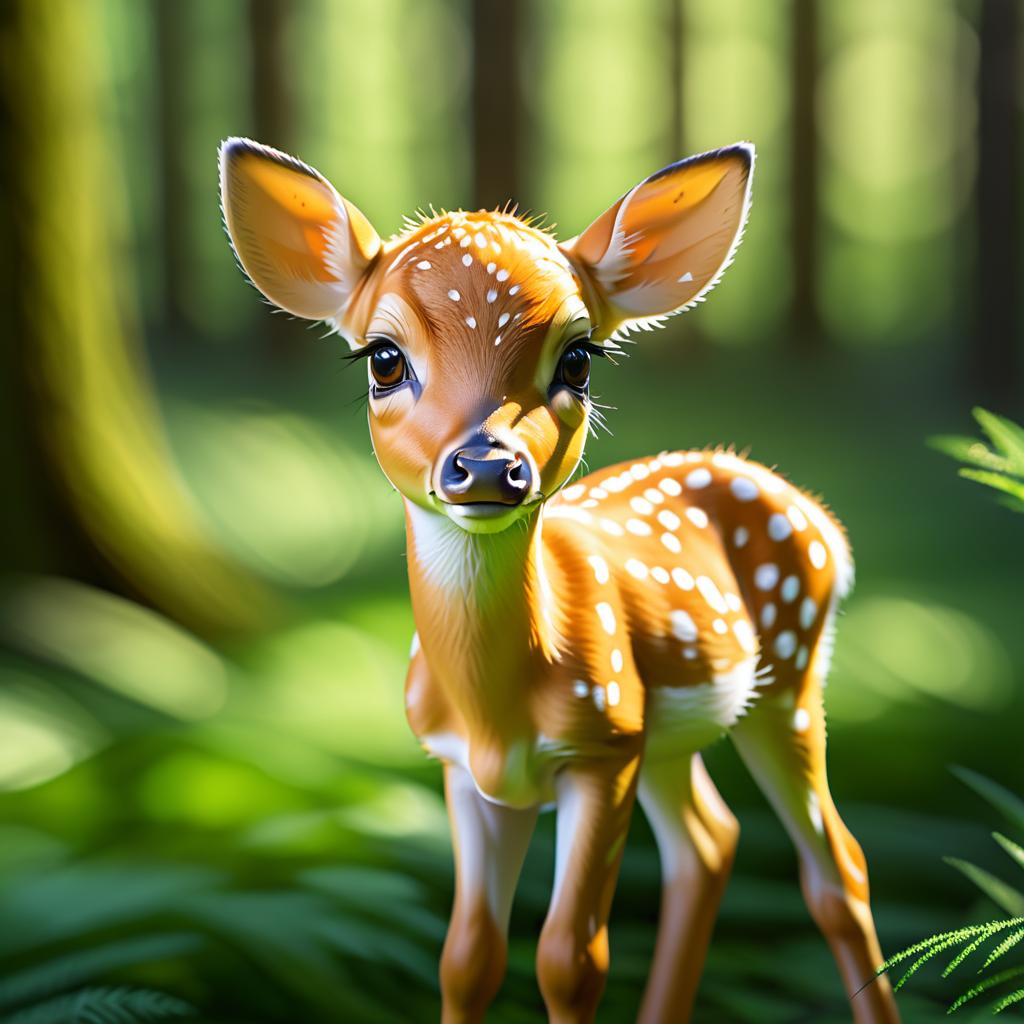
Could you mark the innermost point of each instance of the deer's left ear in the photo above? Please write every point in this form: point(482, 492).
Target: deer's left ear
point(303, 245)
point(665, 243)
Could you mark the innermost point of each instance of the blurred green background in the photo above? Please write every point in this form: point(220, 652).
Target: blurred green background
point(208, 794)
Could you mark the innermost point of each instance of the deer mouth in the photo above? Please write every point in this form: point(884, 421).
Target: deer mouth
point(485, 516)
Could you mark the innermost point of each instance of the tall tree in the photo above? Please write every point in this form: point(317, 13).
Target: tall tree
point(674, 28)
point(270, 90)
point(994, 353)
point(71, 314)
point(496, 114)
point(805, 320)
point(271, 97)
point(171, 22)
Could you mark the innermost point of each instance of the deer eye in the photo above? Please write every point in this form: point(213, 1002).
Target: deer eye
point(388, 366)
point(574, 367)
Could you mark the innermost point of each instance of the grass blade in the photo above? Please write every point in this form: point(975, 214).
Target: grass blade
point(1009, 805)
point(1001, 893)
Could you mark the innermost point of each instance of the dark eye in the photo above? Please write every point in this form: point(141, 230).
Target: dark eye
point(574, 368)
point(388, 367)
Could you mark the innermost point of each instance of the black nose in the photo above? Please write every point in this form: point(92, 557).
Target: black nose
point(484, 472)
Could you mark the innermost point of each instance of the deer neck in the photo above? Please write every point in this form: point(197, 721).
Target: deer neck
point(481, 603)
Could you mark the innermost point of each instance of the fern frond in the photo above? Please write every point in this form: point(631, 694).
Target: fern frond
point(106, 1006)
point(1013, 997)
point(984, 986)
point(958, 934)
point(967, 951)
point(935, 949)
point(1005, 946)
point(66, 971)
point(1006, 436)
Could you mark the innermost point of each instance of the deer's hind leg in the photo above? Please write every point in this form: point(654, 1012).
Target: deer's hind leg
point(696, 835)
point(782, 742)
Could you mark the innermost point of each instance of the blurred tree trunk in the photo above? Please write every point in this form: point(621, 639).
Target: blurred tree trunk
point(674, 27)
point(994, 354)
point(496, 116)
point(71, 308)
point(272, 120)
point(172, 61)
point(806, 327)
point(271, 102)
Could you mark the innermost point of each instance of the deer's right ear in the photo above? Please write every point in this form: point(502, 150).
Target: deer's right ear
point(302, 245)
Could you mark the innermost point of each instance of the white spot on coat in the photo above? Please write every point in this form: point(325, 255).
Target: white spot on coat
point(697, 516)
point(636, 568)
point(607, 617)
point(797, 518)
point(778, 526)
point(790, 589)
point(671, 487)
point(745, 635)
point(766, 576)
point(785, 644)
point(743, 488)
point(712, 594)
point(600, 567)
point(817, 554)
point(669, 519)
point(683, 626)
point(698, 478)
point(682, 579)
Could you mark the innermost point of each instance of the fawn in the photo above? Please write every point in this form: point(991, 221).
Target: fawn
point(577, 643)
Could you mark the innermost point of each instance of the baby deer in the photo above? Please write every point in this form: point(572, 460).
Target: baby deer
point(577, 643)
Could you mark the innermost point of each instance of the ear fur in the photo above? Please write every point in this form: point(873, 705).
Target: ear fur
point(664, 245)
point(302, 245)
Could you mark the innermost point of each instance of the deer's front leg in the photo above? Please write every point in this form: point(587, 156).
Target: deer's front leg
point(489, 842)
point(595, 802)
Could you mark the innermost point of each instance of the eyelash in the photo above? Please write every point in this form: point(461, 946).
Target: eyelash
point(373, 342)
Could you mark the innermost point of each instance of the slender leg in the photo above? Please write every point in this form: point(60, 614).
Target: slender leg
point(595, 801)
point(696, 834)
point(784, 748)
point(490, 842)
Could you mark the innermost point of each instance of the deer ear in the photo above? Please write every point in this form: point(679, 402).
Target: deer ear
point(302, 245)
point(665, 243)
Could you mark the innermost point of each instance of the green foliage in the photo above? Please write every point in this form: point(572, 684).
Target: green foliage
point(328, 941)
point(1000, 464)
point(974, 938)
point(106, 1006)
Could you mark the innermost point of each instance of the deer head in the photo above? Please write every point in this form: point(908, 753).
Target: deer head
point(478, 329)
